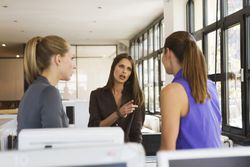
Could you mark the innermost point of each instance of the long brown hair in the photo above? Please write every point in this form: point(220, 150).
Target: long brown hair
point(38, 52)
point(192, 61)
point(131, 85)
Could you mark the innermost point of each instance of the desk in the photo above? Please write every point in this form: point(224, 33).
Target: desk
point(8, 111)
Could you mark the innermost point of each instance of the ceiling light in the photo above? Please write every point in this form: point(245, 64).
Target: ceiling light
point(3, 45)
point(99, 7)
point(17, 56)
point(5, 6)
point(15, 21)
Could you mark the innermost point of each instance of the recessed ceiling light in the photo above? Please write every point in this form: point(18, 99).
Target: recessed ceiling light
point(90, 31)
point(17, 56)
point(99, 7)
point(94, 21)
point(15, 21)
point(22, 30)
point(3, 45)
point(5, 6)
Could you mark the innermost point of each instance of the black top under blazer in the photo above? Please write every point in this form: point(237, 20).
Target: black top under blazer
point(102, 104)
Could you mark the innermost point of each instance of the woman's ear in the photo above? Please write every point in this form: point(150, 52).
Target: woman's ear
point(57, 59)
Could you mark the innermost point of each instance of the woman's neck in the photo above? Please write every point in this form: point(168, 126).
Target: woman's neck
point(117, 89)
point(52, 78)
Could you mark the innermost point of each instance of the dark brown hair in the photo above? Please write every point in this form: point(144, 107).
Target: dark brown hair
point(192, 61)
point(131, 86)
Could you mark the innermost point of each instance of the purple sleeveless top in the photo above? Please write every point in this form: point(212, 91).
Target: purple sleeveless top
point(201, 127)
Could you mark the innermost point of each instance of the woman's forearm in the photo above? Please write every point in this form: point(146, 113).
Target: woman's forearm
point(110, 120)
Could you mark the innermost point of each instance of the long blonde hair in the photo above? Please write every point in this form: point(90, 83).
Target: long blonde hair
point(38, 52)
point(193, 62)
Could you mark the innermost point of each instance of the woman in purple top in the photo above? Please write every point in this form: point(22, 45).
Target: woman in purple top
point(191, 116)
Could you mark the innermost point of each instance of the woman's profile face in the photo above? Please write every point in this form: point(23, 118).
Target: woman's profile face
point(68, 65)
point(122, 71)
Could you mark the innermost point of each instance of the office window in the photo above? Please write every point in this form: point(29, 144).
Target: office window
point(190, 16)
point(232, 52)
point(199, 44)
point(163, 73)
point(132, 51)
point(156, 37)
point(157, 84)
point(140, 48)
point(145, 83)
point(198, 15)
point(233, 76)
point(232, 6)
point(150, 41)
point(140, 74)
point(151, 85)
point(211, 11)
point(211, 52)
point(148, 64)
point(162, 39)
point(136, 56)
point(145, 45)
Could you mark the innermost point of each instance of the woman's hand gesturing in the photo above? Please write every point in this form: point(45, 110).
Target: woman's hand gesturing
point(127, 108)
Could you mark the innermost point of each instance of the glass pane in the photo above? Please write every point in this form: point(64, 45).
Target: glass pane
point(211, 11)
point(151, 85)
point(163, 74)
point(211, 52)
point(162, 40)
point(198, 14)
point(140, 48)
point(145, 72)
point(199, 43)
point(140, 73)
point(145, 77)
point(233, 68)
point(150, 49)
point(156, 88)
point(157, 37)
point(145, 45)
point(232, 6)
point(136, 50)
point(132, 50)
point(218, 86)
point(146, 98)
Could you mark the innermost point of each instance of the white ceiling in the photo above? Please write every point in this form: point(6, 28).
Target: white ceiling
point(78, 21)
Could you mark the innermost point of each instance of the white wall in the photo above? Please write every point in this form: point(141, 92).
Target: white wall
point(174, 20)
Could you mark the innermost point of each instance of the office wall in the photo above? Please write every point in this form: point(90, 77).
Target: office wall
point(11, 79)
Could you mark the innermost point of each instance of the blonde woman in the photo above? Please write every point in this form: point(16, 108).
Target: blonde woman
point(46, 61)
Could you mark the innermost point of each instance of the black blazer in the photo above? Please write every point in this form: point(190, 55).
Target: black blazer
point(102, 104)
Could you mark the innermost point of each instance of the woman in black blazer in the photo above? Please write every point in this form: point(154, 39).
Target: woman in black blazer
point(120, 102)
